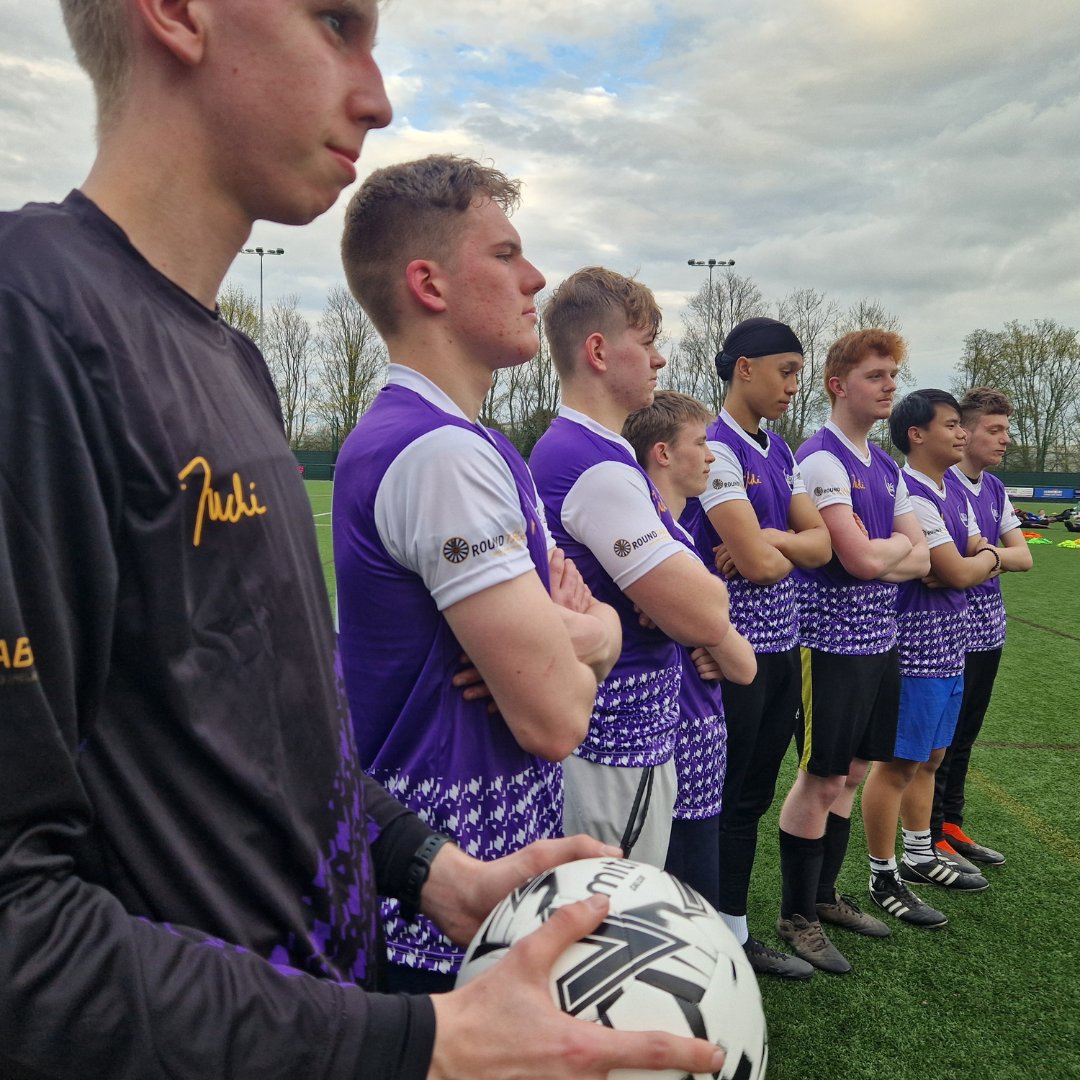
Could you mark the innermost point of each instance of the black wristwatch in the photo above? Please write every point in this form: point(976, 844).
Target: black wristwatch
point(417, 874)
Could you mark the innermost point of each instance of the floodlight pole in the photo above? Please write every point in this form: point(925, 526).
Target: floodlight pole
point(710, 263)
point(261, 252)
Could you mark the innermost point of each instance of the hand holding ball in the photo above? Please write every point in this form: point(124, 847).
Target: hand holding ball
point(661, 960)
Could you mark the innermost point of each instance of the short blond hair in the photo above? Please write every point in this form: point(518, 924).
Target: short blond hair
point(100, 34)
point(590, 300)
point(662, 421)
point(413, 210)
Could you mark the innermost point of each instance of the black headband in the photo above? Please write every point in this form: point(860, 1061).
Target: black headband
point(752, 338)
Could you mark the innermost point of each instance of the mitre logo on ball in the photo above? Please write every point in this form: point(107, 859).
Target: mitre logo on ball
point(661, 960)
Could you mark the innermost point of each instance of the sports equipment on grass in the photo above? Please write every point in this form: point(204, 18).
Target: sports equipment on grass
point(943, 849)
point(942, 873)
point(843, 911)
point(766, 960)
point(962, 843)
point(810, 942)
point(661, 960)
point(891, 894)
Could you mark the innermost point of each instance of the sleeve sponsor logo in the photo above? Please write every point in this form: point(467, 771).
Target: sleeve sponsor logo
point(938, 529)
point(725, 485)
point(228, 509)
point(624, 547)
point(456, 550)
point(821, 492)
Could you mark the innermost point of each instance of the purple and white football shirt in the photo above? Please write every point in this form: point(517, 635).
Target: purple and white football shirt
point(701, 739)
point(838, 612)
point(932, 623)
point(995, 517)
point(429, 509)
point(767, 477)
point(606, 514)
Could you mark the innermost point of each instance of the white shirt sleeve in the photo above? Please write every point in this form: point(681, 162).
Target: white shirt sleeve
point(903, 499)
point(727, 482)
point(798, 487)
point(826, 480)
point(1009, 520)
point(448, 509)
point(931, 522)
point(610, 510)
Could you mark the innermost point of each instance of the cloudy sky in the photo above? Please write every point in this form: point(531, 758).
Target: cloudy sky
point(924, 153)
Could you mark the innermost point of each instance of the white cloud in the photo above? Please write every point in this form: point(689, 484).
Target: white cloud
point(918, 152)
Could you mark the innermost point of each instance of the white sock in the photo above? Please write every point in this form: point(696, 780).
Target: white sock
point(737, 925)
point(918, 847)
point(883, 866)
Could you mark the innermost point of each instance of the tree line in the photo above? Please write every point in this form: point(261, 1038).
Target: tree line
point(327, 373)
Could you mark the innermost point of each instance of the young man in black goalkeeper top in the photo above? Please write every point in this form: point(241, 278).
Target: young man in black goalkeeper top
point(189, 853)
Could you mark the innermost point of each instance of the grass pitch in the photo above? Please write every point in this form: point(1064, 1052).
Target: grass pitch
point(996, 992)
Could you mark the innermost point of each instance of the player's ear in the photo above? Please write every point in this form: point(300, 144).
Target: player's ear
point(743, 368)
point(595, 351)
point(425, 282)
point(836, 386)
point(660, 454)
point(179, 25)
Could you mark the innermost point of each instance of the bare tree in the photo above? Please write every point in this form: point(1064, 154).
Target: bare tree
point(288, 348)
point(352, 361)
point(707, 321)
point(1038, 366)
point(865, 314)
point(812, 315)
point(239, 309)
point(523, 399)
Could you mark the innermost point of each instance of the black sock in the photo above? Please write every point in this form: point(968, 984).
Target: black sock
point(837, 832)
point(800, 868)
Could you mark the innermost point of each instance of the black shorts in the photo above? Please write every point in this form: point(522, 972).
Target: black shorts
point(850, 707)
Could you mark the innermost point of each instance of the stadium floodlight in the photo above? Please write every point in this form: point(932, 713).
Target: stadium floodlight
point(711, 264)
point(261, 252)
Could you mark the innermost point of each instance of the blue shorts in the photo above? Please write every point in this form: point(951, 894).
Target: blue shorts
point(928, 712)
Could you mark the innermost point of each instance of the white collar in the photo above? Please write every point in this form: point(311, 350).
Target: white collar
point(866, 458)
point(927, 481)
point(974, 486)
point(411, 379)
point(745, 435)
point(588, 422)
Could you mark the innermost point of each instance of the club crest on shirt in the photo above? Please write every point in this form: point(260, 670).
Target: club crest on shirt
point(213, 506)
point(890, 487)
